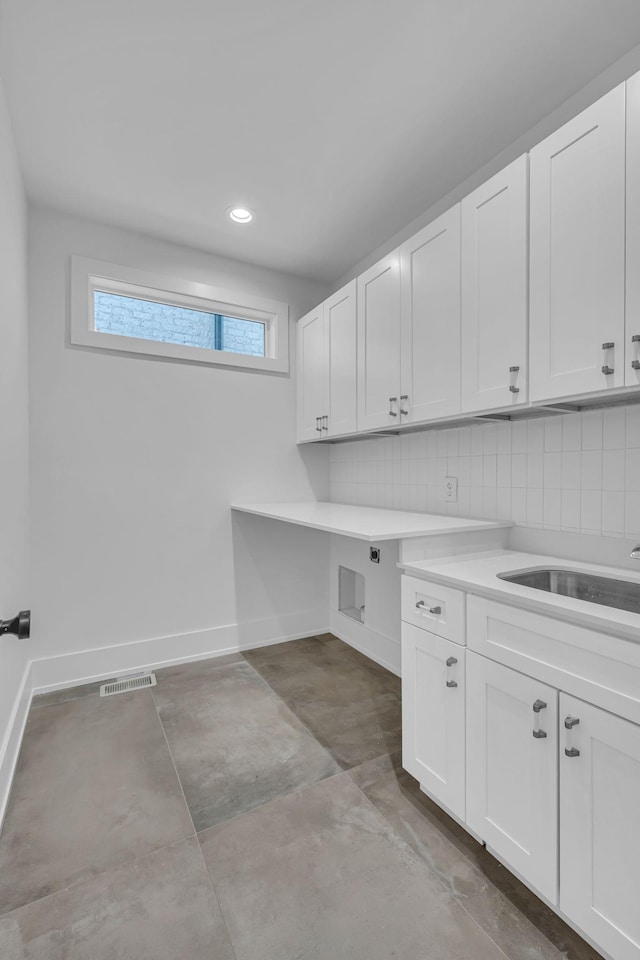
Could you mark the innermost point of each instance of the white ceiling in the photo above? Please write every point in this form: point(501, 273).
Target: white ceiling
point(337, 121)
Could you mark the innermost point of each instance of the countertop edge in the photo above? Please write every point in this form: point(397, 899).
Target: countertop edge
point(532, 604)
point(472, 527)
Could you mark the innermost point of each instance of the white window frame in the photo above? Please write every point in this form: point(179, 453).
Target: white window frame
point(87, 276)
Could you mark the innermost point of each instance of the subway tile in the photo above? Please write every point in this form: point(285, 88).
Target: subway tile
point(452, 443)
point(553, 434)
point(570, 510)
point(442, 443)
point(535, 436)
point(591, 470)
point(633, 426)
point(535, 472)
point(476, 501)
point(489, 439)
point(534, 507)
point(571, 431)
point(503, 438)
point(519, 436)
point(464, 500)
point(519, 470)
point(464, 470)
point(613, 469)
point(519, 505)
point(503, 473)
point(464, 441)
point(592, 430)
point(571, 469)
point(632, 514)
point(614, 423)
point(489, 501)
point(503, 503)
point(632, 470)
point(477, 472)
point(613, 512)
point(591, 511)
point(489, 470)
point(553, 470)
point(552, 506)
point(476, 441)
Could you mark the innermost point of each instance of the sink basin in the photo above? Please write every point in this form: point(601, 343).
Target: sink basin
point(607, 591)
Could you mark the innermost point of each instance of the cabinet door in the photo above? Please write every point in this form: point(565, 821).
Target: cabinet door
point(379, 344)
point(433, 708)
point(340, 325)
point(495, 250)
point(632, 349)
point(430, 344)
point(578, 253)
point(600, 826)
point(512, 770)
point(311, 369)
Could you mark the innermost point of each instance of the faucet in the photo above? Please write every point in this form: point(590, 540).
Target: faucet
point(635, 553)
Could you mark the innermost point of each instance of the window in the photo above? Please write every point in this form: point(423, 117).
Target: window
point(121, 309)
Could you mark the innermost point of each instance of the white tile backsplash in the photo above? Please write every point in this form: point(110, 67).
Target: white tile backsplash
point(577, 472)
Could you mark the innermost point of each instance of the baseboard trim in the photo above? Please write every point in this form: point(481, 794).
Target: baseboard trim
point(10, 748)
point(384, 650)
point(86, 666)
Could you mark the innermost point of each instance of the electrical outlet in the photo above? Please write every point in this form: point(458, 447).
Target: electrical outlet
point(374, 554)
point(451, 488)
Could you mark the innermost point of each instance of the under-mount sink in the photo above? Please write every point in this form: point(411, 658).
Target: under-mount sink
point(607, 591)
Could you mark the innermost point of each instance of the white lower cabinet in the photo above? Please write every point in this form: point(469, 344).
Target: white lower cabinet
point(549, 781)
point(512, 770)
point(433, 711)
point(600, 826)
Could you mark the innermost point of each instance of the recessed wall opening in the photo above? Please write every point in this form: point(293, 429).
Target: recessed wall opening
point(351, 594)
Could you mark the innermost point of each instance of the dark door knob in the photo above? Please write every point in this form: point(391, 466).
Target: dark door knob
point(19, 625)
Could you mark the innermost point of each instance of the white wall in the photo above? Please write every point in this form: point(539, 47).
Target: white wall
point(14, 478)
point(135, 462)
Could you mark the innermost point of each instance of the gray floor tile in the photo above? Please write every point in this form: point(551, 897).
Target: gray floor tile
point(321, 874)
point(95, 786)
point(69, 693)
point(513, 916)
point(350, 704)
point(196, 668)
point(161, 907)
point(235, 743)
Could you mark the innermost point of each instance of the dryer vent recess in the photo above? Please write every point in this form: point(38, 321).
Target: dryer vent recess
point(351, 590)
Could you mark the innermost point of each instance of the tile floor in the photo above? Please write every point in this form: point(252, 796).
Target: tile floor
point(248, 808)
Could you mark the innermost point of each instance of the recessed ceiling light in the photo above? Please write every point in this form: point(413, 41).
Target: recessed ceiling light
point(240, 214)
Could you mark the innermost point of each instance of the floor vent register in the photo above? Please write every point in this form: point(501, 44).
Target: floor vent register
point(124, 684)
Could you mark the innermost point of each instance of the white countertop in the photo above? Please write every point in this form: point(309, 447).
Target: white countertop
point(366, 523)
point(478, 574)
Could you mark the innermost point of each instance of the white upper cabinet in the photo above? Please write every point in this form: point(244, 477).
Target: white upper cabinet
point(326, 367)
point(577, 256)
point(494, 290)
point(379, 344)
point(599, 832)
point(311, 368)
point(632, 346)
point(430, 339)
point(340, 335)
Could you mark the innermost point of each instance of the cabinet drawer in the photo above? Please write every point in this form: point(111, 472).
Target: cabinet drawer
point(601, 669)
point(433, 607)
